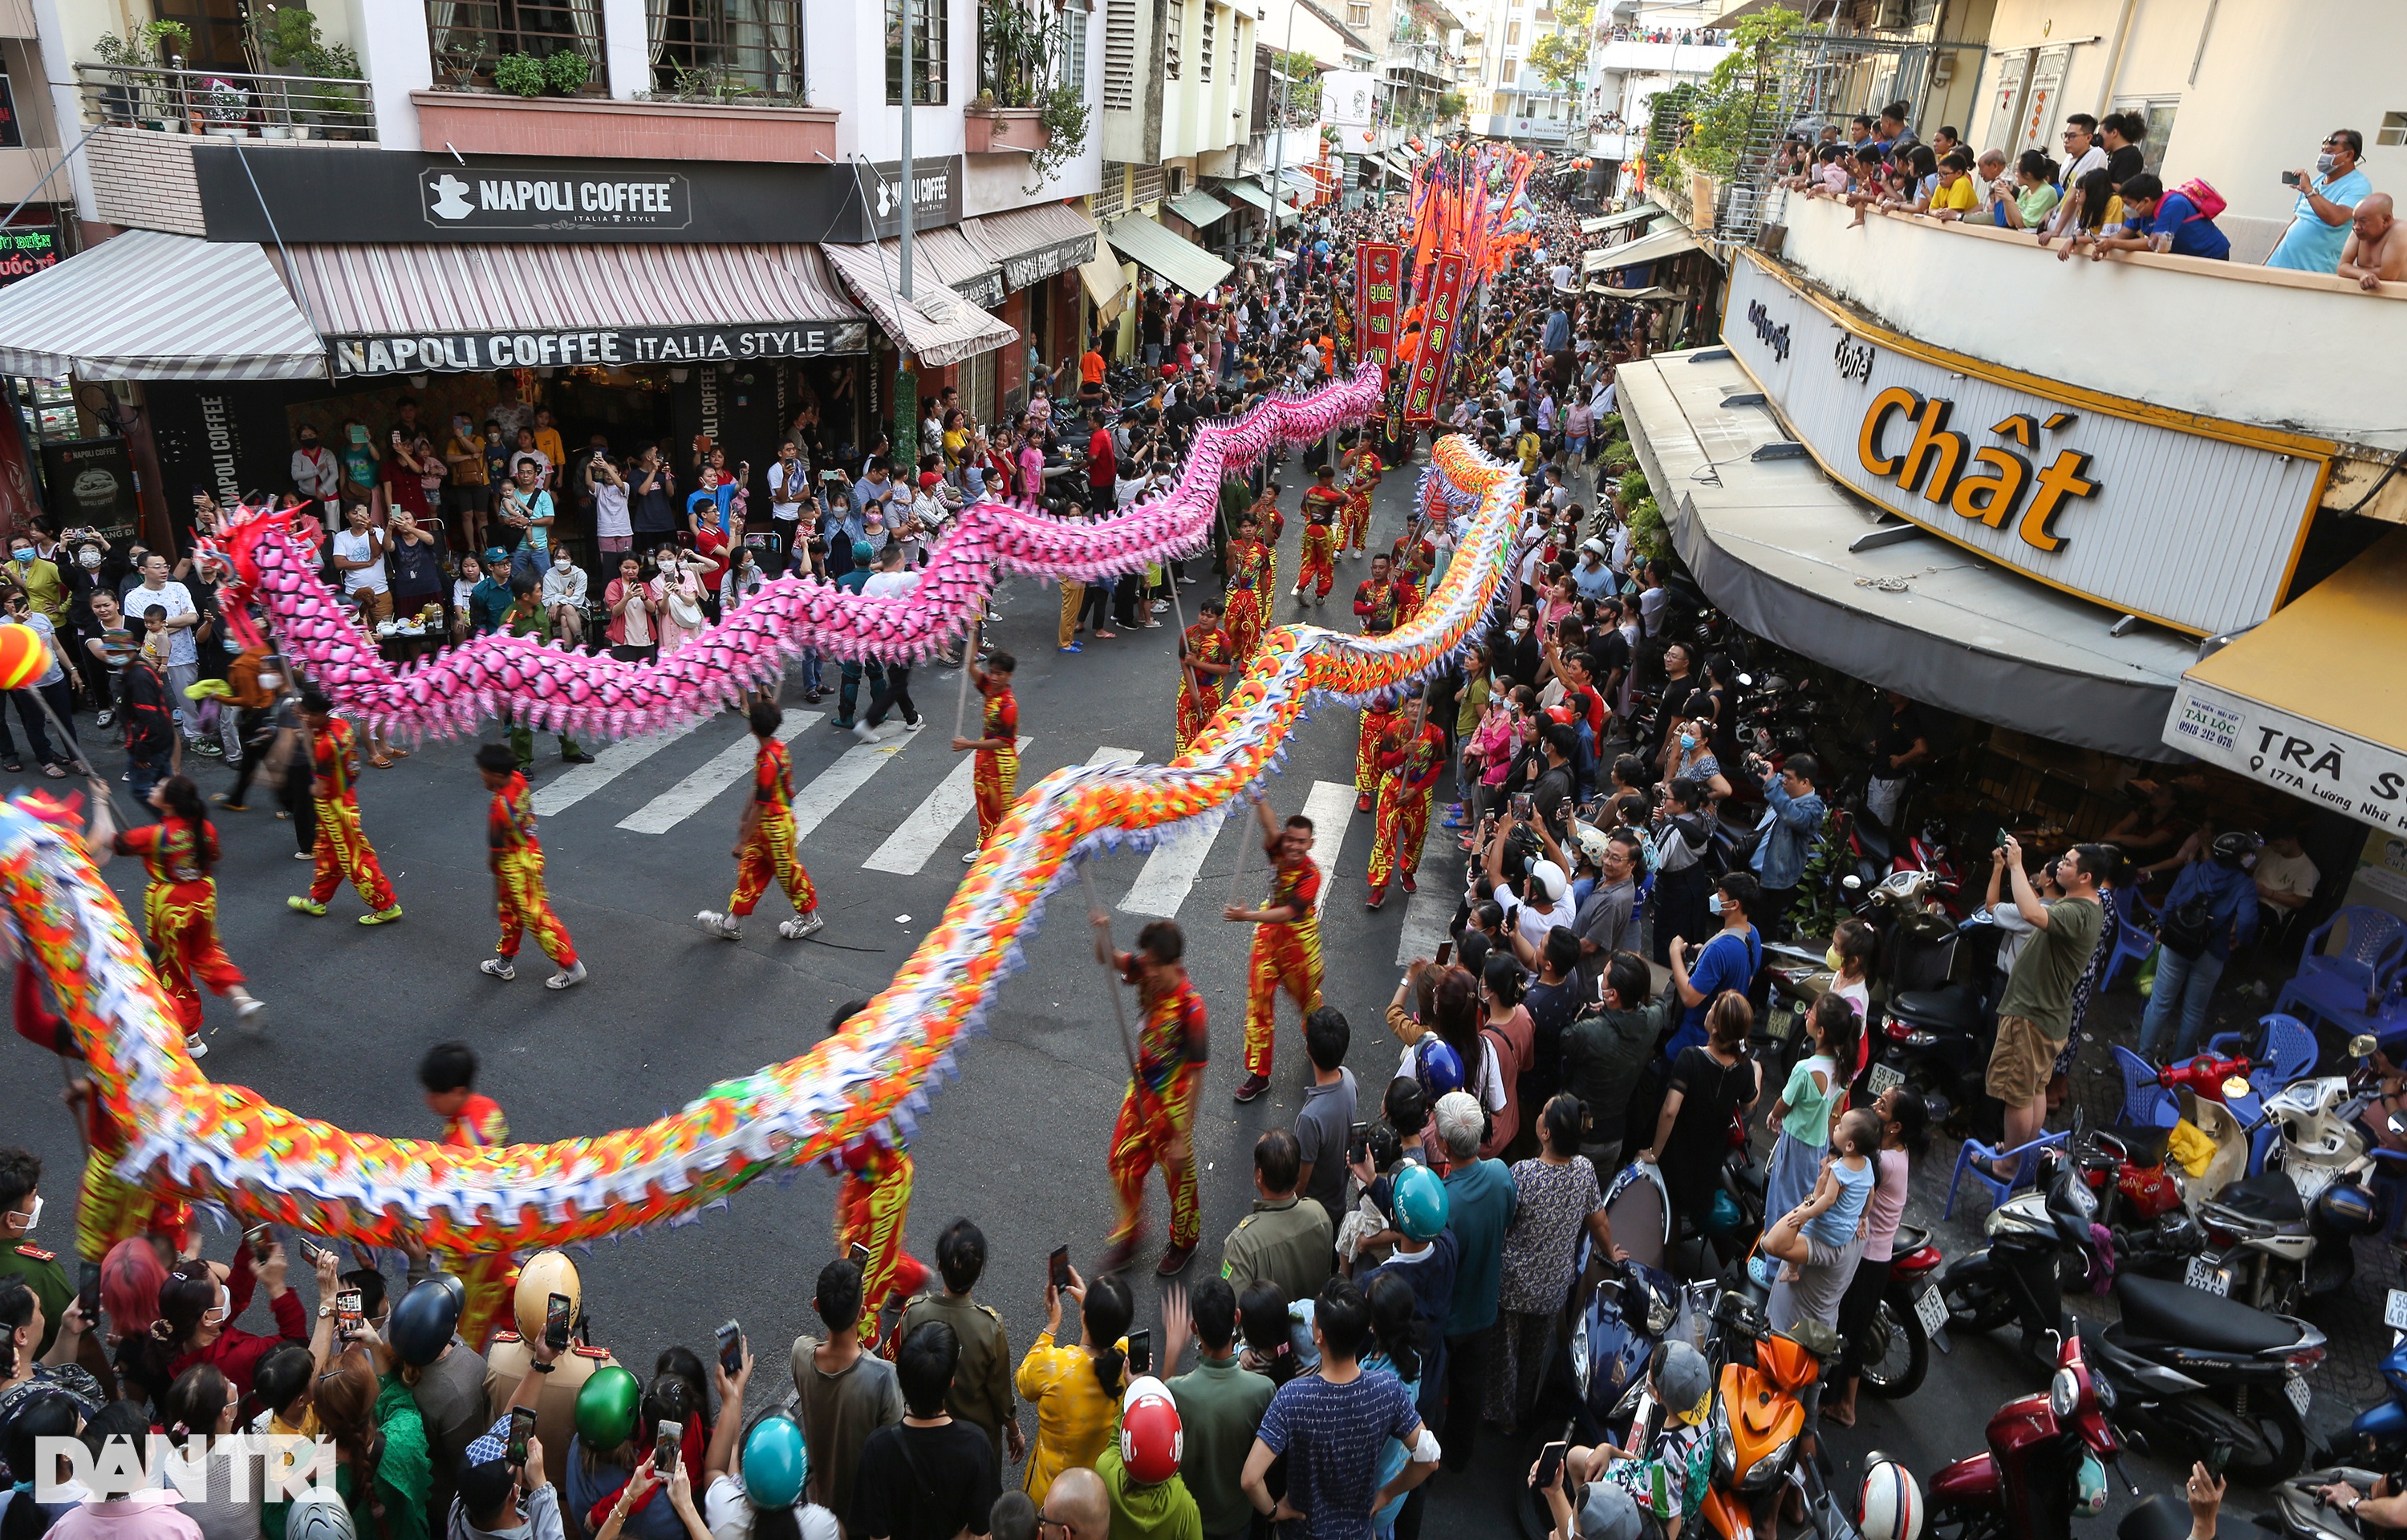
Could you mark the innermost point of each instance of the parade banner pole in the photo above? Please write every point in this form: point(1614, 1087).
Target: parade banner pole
point(1185, 664)
point(969, 660)
point(1103, 923)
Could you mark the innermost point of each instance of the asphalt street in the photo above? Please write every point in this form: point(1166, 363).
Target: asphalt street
point(1016, 1142)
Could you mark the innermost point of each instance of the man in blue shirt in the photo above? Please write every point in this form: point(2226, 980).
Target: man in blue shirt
point(1793, 828)
point(2226, 897)
point(1728, 960)
point(1333, 1426)
point(2326, 203)
point(2154, 219)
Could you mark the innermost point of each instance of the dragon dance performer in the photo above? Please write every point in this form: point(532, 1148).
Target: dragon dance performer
point(1270, 528)
point(1415, 558)
point(1370, 744)
point(1250, 576)
point(873, 1200)
point(516, 857)
point(996, 776)
point(471, 1121)
point(764, 843)
point(1208, 653)
point(179, 907)
point(1322, 504)
point(1412, 756)
point(1354, 527)
point(1286, 942)
point(1157, 1121)
point(342, 849)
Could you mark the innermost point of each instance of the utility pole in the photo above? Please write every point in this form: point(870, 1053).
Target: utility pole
point(904, 6)
point(1278, 151)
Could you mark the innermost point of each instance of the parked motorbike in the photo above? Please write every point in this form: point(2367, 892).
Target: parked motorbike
point(1758, 1426)
point(2379, 1435)
point(2211, 1373)
point(2034, 1237)
point(2282, 1238)
point(2154, 1232)
point(2300, 1513)
point(2045, 1465)
point(1633, 1307)
point(1910, 1319)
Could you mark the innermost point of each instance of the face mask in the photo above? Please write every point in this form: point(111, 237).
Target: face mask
point(1713, 903)
point(1688, 741)
point(88, 558)
point(1521, 624)
point(24, 554)
point(2324, 164)
point(29, 1218)
point(561, 561)
point(223, 1310)
point(1833, 958)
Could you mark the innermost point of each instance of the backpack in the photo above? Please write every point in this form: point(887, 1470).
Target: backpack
point(2187, 929)
point(2203, 197)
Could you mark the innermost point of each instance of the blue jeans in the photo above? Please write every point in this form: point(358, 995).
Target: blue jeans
point(145, 771)
point(525, 562)
point(2182, 984)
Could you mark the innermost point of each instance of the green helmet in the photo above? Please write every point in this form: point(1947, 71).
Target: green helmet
point(605, 1409)
point(1419, 1202)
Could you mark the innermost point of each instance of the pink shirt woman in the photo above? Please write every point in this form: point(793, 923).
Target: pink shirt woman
point(677, 592)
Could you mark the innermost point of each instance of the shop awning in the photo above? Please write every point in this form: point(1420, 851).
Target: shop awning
point(1107, 284)
point(145, 305)
point(403, 309)
point(1200, 209)
point(936, 325)
point(1614, 222)
point(1181, 262)
point(2283, 703)
point(1646, 248)
point(1033, 243)
point(1769, 541)
point(1300, 179)
point(1651, 292)
point(946, 253)
point(1251, 193)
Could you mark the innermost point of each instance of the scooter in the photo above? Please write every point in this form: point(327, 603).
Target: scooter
point(1910, 1319)
point(2033, 1238)
point(2284, 1238)
point(1631, 1308)
point(2301, 1512)
point(1760, 1415)
point(2047, 1463)
point(2211, 1373)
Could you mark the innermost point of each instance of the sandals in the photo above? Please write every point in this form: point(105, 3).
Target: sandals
point(380, 762)
point(11, 764)
point(54, 771)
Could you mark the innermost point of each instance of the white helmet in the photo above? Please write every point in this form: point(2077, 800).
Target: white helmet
point(1892, 1503)
point(319, 1518)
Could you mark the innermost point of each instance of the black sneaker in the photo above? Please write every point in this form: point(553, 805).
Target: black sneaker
point(1253, 1087)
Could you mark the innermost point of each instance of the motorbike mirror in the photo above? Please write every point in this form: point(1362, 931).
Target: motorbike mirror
point(1747, 681)
point(2398, 1123)
point(1851, 883)
point(2235, 1087)
point(2362, 1046)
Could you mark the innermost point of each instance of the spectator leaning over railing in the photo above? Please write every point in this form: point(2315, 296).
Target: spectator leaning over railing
point(2154, 219)
point(2375, 252)
point(2328, 199)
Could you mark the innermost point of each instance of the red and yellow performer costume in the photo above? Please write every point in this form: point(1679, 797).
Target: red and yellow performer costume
point(179, 914)
point(1205, 650)
point(1354, 522)
point(516, 855)
point(1286, 955)
point(1249, 577)
point(1409, 770)
point(1322, 504)
point(996, 779)
point(1379, 603)
point(492, 1277)
point(1370, 745)
point(1415, 558)
point(342, 850)
point(1157, 1121)
point(1270, 528)
point(768, 854)
point(872, 1202)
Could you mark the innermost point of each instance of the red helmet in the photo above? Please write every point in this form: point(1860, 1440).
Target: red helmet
point(1151, 1438)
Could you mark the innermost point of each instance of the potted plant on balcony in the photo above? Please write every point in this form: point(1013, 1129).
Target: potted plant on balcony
point(519, 74)
point(566, 71)
point(1012, 68)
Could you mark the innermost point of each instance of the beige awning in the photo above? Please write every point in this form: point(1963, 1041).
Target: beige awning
point(1033, 243)
point(1651, 292)
point(1251, 193)
point(1646, 248)
point(1614, 222)
point(1107, 284)
point(935, 324)
point(1174, 258)
point(1200, 209)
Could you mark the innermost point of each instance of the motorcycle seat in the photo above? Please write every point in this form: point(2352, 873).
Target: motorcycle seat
point(2272, 1197)
point(1874, 837)
point(1909, 1239)
point(2144, 1146)
point(2161, 1310)
point(1958, 1006)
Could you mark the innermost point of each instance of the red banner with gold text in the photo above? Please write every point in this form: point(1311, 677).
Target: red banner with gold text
point(1378, 292)
point(1438, 322)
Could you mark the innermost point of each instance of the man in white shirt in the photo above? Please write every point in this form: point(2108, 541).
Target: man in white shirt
point(789, 489)
point(183, 666)
point(358, 557)
point(890, 581)
point(316, 474)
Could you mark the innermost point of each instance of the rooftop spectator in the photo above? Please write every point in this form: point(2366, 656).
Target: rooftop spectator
point(2326, 205)
point(2154, 219)
point(2375, 253)
point(2035, 193)
point(2119, 133)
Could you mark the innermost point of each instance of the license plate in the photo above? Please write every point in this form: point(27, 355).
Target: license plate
point(2296, 1389)
point(1882, 1076)
point(2394, 1310)
point(2202, 1274)
point(1930, 1309)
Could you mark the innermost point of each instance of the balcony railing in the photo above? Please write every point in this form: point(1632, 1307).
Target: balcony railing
point(231, 104)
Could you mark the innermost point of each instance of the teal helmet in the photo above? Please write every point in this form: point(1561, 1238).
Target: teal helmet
point(1419, 1202)
point(776, 1467)
point(1725, 1217)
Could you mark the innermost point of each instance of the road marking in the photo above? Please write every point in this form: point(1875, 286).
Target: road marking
point(933, 822)
point(1109, 755)
point(694, 792)
point(1173, 868)
point(579, 781)
point(853, 770)
point(1427, 917)
point(1329, 807)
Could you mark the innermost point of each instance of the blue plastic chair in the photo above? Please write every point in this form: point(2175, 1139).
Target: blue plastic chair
point(2285, 1054)
point(2134, 938)
point(2025, 1157)
point(2145, 1104)
point(2338, 987)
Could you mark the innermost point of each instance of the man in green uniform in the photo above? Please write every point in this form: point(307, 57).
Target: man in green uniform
point(1287, 1239)
point(20, 1209)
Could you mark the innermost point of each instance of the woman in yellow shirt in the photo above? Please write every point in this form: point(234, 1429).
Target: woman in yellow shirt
point(1076, 1390)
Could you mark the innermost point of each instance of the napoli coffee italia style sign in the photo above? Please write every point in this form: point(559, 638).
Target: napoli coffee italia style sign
point(474, 352)
point(453, 198)
point(2196, 532)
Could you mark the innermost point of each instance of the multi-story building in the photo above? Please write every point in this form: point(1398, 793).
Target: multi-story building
point(1178, 106)
point(1636, 53)
point(1509, 97)
point(655, 219)
point(2178, 555)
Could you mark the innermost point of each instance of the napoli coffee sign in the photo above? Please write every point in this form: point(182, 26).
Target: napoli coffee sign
point(453, 198)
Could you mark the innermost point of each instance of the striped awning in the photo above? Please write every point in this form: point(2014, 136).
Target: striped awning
point(1174, 258)
point(1033, 243)
point(402, 308)
point(1301, 180)
point(1614, 222)
point(935, 325)
point(946, 253)
point(1200, 209)
point(146, 306)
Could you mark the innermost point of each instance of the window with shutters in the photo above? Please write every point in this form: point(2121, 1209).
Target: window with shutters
point(1074, 52)
point(1173, 38)
point(1236, 76)
point(1111, 199)
point(1148, 187)
point(1119, 56)
point(1203, 55)
point(1358, 16)
point(928, 51)
point(1513, 35)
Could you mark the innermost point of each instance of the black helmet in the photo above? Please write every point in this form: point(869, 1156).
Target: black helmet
point(2233, 846)
point(423, 1321)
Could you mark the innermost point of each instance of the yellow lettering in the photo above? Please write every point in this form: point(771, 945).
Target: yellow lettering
point(1993, 499)
point(1868, 450)
point(1936, 455)
point(2067, 477)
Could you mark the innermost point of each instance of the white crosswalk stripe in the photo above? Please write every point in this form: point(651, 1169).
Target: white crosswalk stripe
point(579, 781)
point(1329, 807)
point(933, 822)
point(853, 770)
point(694, 792)
point(1171, 870)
